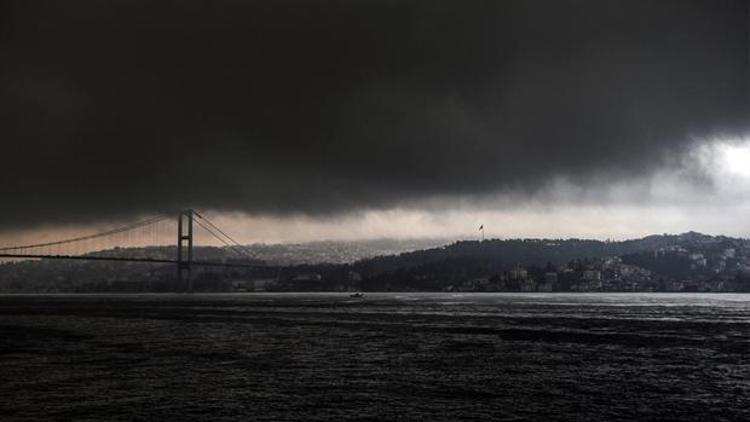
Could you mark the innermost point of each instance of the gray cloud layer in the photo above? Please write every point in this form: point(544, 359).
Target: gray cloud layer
point(113, 108)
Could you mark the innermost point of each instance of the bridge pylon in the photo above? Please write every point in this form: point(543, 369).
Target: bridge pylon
point(185, 248)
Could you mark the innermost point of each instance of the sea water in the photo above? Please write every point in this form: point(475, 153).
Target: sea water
point(389, 356)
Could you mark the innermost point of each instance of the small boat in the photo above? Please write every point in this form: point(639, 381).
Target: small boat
point(357, 295)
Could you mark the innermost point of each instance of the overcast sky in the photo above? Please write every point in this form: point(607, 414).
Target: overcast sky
point(299, 120)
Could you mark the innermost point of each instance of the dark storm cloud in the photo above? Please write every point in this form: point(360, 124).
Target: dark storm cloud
point(120, 107)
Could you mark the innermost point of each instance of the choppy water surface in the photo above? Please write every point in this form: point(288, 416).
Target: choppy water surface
point(385, 357)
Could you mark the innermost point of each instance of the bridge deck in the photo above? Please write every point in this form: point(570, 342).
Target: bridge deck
point(120, 259)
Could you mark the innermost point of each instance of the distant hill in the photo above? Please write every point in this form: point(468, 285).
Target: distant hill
point(525, 252)
point(337, 252)
point(684, 262)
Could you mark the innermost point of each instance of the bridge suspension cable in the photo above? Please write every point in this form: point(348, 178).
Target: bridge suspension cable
point(126, 244)
point(229, 246)
point(227, 240)
point(118, 230)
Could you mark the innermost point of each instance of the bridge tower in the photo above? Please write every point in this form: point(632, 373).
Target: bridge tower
point(185, 248)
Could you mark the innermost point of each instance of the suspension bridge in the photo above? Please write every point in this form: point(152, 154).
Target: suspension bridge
point(140, 241)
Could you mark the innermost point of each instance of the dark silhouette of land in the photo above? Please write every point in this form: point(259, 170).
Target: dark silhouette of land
point(685, 262)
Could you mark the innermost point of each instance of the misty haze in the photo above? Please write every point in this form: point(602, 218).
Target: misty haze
point(375, 210)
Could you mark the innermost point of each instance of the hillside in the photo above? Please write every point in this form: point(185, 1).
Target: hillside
point(684, 262)
point(688, 261)
point(525, 252)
